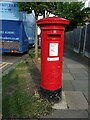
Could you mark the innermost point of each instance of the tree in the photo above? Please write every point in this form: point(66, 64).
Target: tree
point(74, 11)
point(39, 9)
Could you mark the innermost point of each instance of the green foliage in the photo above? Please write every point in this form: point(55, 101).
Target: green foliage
point(38, 7)
point(73, 11)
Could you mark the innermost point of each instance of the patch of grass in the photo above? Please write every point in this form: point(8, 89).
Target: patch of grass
point(20, 104)
point(32, 53)
point(19, 97)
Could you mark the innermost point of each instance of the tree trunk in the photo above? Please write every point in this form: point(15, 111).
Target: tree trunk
point(36, 43)
point(47, 14)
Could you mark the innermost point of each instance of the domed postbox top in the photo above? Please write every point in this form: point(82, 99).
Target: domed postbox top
point(52, 20)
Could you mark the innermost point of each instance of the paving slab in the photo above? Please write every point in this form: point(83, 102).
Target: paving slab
point(89, 109)
point(67, 85)
point(86, 95)
point(67, 76)
point(65, 70)
point(80, 85)
point(76, 100)
point(70, 61)
point(76, 70)
point(80, 76)
point(75, 66)
point(68, 114)
point(61, 104)
point(64, 65)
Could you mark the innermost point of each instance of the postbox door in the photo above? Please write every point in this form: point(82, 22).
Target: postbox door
point(55, 45)
point(52, 60)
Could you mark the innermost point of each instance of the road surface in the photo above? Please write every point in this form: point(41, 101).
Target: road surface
point(8, 61)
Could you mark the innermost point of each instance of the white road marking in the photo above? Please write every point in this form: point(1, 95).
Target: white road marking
point(4, 64)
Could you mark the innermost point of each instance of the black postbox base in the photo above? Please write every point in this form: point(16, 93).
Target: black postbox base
point(52, 96)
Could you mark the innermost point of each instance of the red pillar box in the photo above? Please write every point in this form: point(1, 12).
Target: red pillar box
point(52, 43)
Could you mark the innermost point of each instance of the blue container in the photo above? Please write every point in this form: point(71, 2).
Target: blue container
point(30, 27)
point(15, 30)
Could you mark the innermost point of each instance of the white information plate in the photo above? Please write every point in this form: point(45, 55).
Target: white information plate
point(53, 49)
point(53, 59)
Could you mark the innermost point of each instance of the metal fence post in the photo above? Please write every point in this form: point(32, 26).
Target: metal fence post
point(80, 39)
point(85, 40)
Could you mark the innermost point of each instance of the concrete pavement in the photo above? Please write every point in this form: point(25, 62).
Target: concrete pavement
point(75, 88)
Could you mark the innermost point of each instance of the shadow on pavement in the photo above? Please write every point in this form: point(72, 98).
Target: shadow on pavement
point(71, 55)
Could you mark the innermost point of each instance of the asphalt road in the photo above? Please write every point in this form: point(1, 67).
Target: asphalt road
point(9, 60)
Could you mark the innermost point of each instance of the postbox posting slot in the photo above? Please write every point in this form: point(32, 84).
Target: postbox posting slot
point(54, 36)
